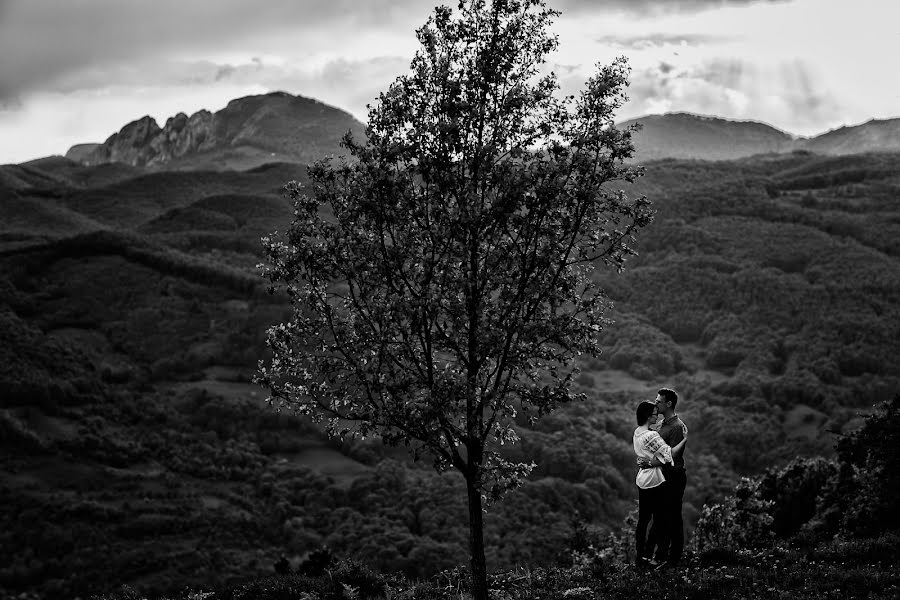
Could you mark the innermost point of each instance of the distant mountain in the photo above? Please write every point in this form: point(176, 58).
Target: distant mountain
point(280, 127)
point(250, 131)
point(688, 136)
point(872, 136)
point(684, 135)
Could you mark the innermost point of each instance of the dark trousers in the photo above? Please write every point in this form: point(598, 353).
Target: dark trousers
point(650, 502)
point(668, 532)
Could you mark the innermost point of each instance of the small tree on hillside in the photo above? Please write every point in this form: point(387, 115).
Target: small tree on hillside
point(865, 498)
point(442, 280)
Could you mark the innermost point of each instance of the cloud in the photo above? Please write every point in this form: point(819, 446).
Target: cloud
point(789, 92)
point(656, 40)
point(654, 7)
point(42, 41)
point(10, 102)
point(349, 84)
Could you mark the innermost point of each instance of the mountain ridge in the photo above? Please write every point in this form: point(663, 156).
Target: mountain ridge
point(882, 134)
point(280, 127)
point(686, 135)
point(248, 132)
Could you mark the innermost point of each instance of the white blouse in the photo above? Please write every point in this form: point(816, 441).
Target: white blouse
point(649, 444)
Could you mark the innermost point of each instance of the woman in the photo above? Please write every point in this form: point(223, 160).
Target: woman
point(648, 444)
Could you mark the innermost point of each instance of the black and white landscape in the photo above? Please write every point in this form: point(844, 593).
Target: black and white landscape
point(136, 450)
point(134, 316)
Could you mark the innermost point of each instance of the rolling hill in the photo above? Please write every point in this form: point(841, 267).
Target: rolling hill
point(132, 317)
point(689, 136)
point(872, 136)
point(683, 135)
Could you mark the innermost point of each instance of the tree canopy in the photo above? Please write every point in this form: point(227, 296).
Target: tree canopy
point(442, 277)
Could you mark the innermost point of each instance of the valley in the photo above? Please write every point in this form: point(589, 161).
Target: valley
point(136, 449)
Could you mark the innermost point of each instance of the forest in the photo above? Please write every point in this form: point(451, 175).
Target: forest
point(136, 451)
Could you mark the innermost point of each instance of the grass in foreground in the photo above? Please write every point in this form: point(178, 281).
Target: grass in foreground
point(838, 569)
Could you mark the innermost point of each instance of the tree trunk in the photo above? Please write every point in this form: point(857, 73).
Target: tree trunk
point(476, 540)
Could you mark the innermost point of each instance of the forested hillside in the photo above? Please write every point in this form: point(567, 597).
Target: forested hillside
point(767, 292)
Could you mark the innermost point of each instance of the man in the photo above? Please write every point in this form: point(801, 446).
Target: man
point(668, 533)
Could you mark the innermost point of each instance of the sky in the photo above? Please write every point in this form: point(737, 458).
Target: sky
point(76, 71)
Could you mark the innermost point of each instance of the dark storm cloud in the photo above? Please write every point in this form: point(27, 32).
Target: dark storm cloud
point(336, 73)
point(42, 41)
point(348, 84)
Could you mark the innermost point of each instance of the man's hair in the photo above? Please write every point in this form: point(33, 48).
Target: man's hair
point(669, 396)
point(644, 410)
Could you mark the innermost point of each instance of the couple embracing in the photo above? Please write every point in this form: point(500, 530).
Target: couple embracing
point(659, 445)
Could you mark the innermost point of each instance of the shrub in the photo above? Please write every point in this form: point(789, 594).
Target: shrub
point(317, 561)
point(814, 497)
point(870, 483)
point(796, 492)
point(742, 520)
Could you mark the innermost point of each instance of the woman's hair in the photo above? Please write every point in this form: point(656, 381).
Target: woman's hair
point(644, 410)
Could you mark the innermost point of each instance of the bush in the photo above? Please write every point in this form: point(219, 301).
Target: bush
point(814, 498)
point(796, 492)
point(870, 483)
point(742, 520)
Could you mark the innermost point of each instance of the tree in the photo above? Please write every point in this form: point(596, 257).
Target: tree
point(868, 486)
point(441, 279)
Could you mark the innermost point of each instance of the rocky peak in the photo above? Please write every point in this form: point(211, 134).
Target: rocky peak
point(176, 123)
point(276, 126)
point(136, 133)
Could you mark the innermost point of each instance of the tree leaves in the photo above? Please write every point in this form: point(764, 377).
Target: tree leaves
point(442, 279)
